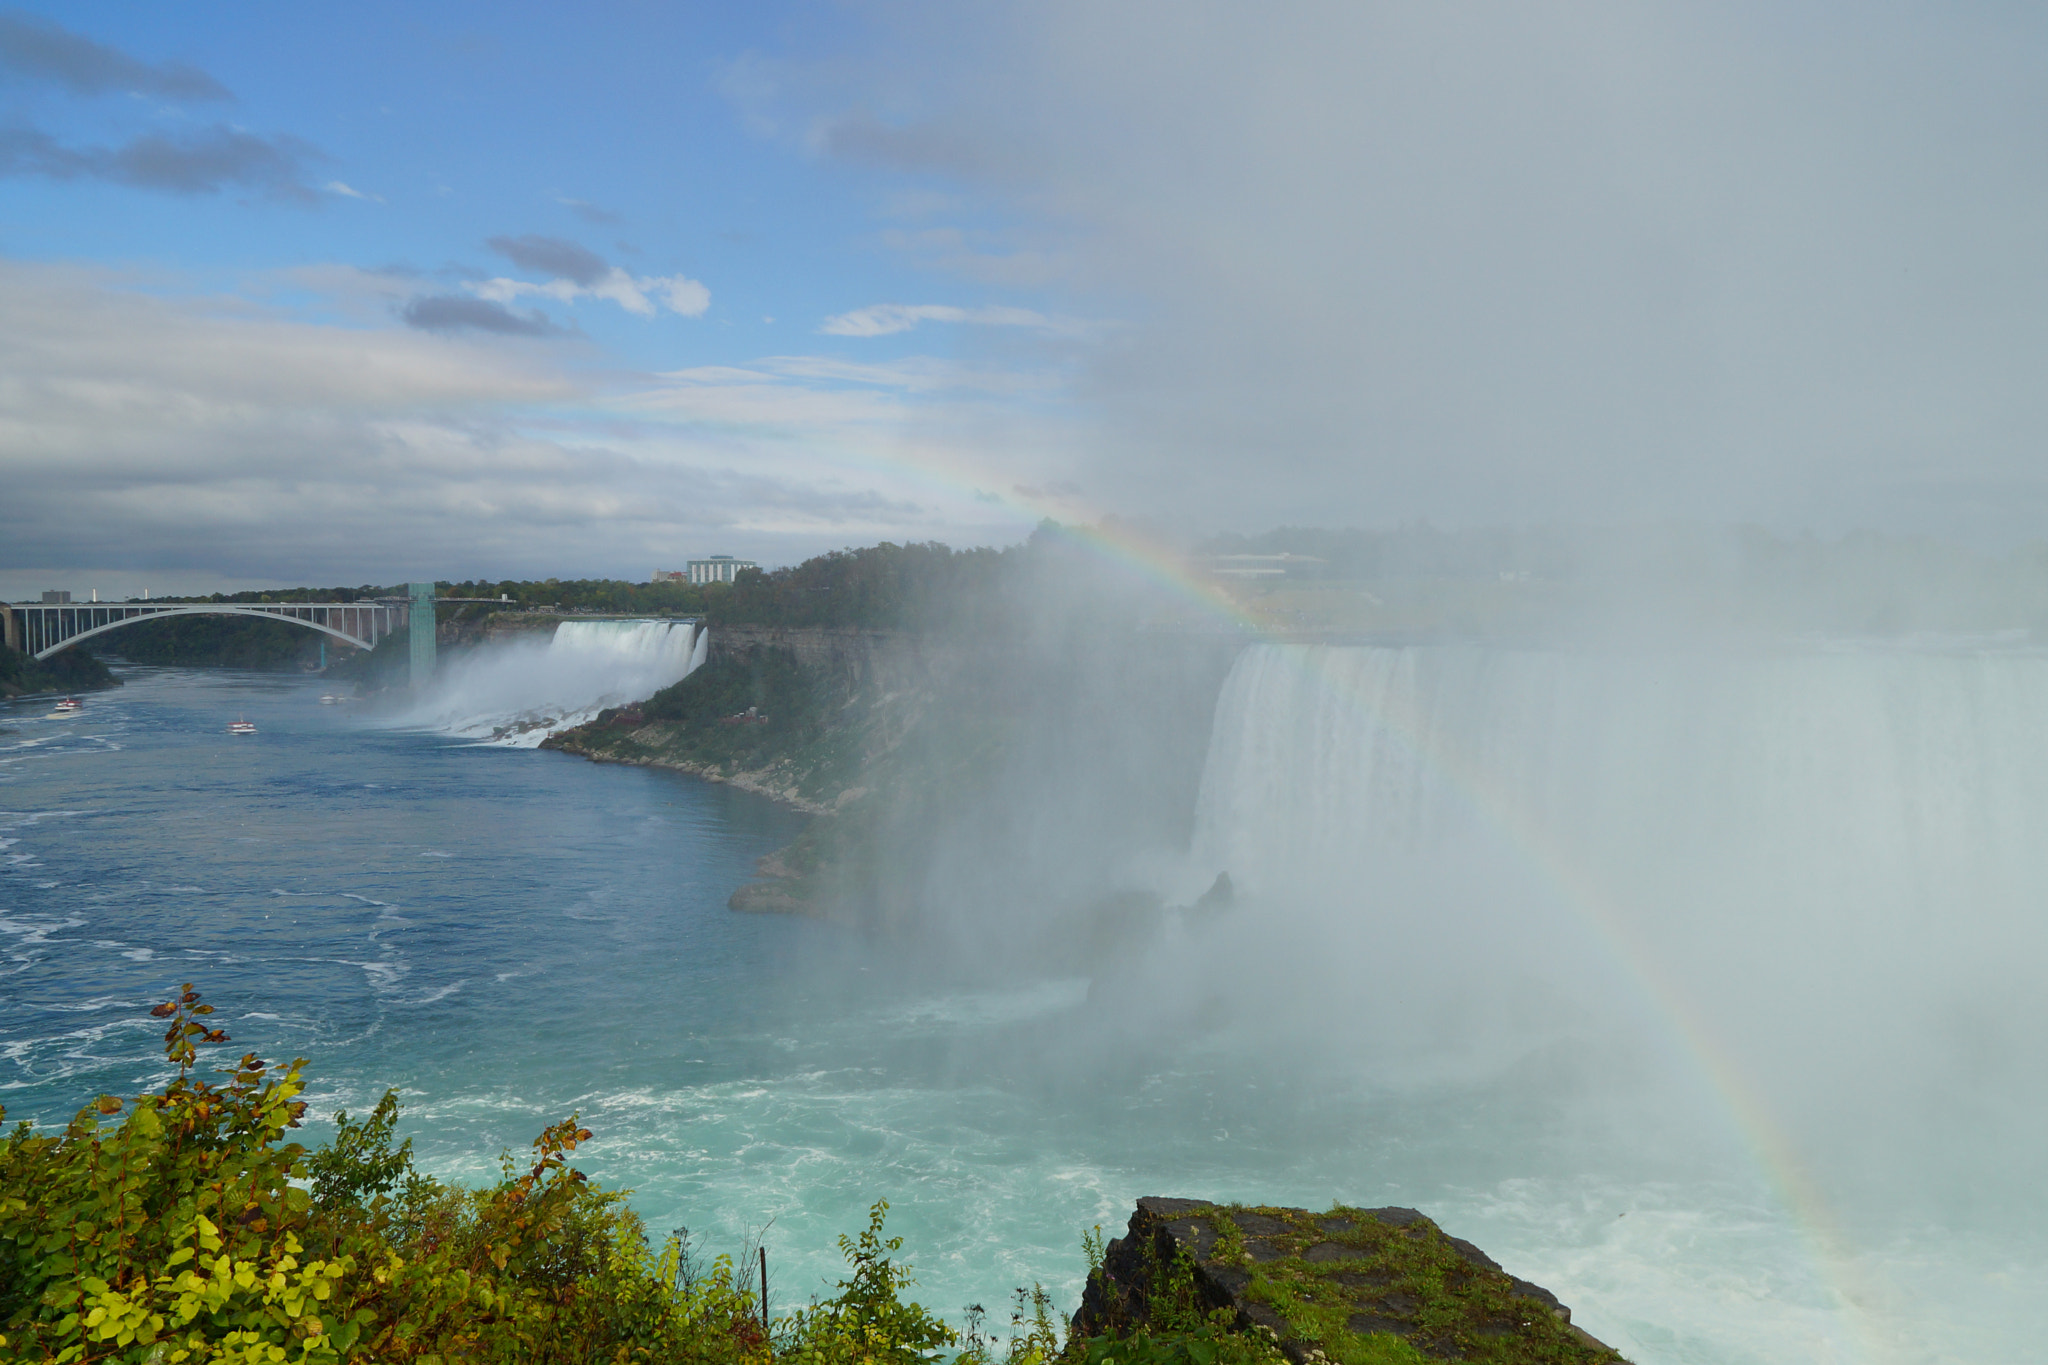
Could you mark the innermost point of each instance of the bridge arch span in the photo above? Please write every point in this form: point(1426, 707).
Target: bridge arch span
point(52, 629)
point(341, 635)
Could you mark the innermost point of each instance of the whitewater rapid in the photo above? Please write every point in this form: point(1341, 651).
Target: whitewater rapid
point(519, 692)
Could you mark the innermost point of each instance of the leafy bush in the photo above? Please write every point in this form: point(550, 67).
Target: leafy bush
point(183, 1226)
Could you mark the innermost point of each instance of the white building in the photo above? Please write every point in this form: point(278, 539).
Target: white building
point(717, 569)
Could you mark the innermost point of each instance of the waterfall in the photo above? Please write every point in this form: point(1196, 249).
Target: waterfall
point(520, 692)
point(1827, 865)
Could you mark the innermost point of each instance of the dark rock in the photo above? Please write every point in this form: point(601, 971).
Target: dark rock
point(1472, 1253)
point(1387, 1257)
point(1331, 1251)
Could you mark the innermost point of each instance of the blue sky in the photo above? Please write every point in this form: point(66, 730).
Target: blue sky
point(374, 292)
point(418, 135)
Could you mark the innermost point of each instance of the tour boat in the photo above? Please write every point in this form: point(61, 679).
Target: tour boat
point(241, 727)
point(328, 699)
point(71, 704)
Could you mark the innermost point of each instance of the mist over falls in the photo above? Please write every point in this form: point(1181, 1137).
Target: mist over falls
point(1821, 867)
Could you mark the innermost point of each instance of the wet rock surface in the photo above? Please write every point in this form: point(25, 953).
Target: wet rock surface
point(1318, 1282)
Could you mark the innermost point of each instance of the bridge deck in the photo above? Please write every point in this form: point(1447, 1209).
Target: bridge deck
point(45, 628)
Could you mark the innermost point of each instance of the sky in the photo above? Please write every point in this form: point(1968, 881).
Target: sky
point(374, 293)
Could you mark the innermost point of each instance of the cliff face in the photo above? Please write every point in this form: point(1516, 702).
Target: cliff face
point(795, 713)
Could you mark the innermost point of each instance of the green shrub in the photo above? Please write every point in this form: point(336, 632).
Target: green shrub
point(183, 1226)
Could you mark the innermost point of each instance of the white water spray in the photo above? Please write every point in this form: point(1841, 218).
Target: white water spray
point(519, 693)
point(1826, 864)
point(1795, 895)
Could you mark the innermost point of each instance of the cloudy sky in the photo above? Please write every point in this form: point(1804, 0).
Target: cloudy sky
point(376, 292)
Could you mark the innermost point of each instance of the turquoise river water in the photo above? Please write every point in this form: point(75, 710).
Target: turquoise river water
point(507, 936)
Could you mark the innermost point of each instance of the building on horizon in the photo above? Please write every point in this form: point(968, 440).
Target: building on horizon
point(668, 576)
point(717, 569)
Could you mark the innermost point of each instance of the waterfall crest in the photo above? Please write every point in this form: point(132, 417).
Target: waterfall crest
point(518, 693)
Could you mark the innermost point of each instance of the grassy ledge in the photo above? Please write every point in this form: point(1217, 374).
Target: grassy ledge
point(1354, 1286)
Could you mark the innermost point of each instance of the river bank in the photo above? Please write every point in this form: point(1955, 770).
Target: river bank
point(72, 670)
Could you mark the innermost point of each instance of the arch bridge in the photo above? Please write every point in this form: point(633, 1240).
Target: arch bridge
point(45, 628)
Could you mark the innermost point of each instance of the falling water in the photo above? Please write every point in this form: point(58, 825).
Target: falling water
point(1794, 895)
point(520, 692)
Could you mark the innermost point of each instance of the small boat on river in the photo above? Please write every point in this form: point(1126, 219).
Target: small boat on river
point(241, 727)
point(71, 704)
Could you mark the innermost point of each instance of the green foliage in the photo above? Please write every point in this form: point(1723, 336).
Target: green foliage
point(216, 642)
point(73, 670)
point(183, 1226)
point(360, 1163)
point(885, 586)
point(1176, 1327)
point(1035, 1334)
point(867, 1323)
point(1213, 1343)
point(1410, 1278)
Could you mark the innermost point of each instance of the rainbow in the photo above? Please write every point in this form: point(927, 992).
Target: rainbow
point(1578, 887)
point(1570, 879)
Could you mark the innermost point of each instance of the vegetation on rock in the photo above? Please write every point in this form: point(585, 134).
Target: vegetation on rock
point(1353, 1286)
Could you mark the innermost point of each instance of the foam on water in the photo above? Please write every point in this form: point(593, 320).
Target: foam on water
point(517, 693)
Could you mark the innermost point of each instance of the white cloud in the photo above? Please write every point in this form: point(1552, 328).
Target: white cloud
point(643, 296)
point(163, 437)
point(682, 295)
point(348, 191)
point(916, 374)
point(886, 319)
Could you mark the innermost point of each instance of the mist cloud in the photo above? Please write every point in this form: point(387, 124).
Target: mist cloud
point(34, 47)
point(1475, 262)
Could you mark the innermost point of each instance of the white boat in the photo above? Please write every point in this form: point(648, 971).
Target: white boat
point(328, 699)
point(71, 704)
point(241, 727)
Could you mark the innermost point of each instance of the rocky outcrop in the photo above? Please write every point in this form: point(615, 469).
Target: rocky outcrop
point(821, 704)
point(1013, 772)
point(1314, 1279)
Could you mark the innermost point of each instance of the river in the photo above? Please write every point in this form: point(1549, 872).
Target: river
point(506, 936)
